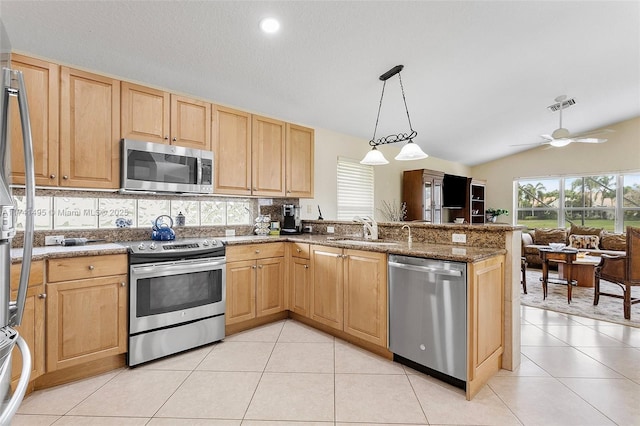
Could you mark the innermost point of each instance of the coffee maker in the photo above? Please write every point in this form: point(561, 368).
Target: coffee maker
point(291, 219)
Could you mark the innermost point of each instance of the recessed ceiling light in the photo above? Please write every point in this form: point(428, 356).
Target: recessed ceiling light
point(270, 25)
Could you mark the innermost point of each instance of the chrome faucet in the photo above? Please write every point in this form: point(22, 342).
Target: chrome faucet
point(409, 241)
point(370, 227)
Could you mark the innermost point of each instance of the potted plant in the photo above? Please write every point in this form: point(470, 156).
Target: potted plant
point(492, 214)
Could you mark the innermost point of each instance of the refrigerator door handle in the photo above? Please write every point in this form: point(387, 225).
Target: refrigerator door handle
point(17, 307)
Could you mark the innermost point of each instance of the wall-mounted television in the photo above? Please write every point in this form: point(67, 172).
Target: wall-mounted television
point(454, 191)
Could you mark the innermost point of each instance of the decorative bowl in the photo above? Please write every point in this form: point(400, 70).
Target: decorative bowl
point(557, 246)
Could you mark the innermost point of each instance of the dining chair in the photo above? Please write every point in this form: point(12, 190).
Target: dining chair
point(623, 271)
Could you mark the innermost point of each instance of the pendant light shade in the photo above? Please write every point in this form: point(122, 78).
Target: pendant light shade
point(374, 158)
point(411, 151)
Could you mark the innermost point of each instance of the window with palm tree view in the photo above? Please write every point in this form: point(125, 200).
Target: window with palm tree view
point(608, 201)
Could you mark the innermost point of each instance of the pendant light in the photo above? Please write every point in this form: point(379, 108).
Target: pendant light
point(411, 151)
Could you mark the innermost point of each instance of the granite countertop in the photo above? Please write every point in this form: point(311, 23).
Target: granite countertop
point(458, 253)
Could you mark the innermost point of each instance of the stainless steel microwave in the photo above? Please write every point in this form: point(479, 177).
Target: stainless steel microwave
point(155, 167)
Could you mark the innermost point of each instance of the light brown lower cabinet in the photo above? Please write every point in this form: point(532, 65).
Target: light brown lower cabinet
point(87, 315)
point(299, 279)
point(349, 291)
point(32, 328)
point(255, 281)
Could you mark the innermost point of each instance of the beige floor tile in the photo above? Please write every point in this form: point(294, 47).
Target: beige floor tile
point(33, 420)
point(297, 332)
point(186, 361)
point(545, 401)
point(379, 424)
point(280, 423)
point(567, 362)
point(212, 394)
point(352, 359)
point(265, 333)
point(625, 361)
point(533, 335)
point(293, 396)
point(101, 421)
point(238, 356)
point(60, 399)
point(526, 368)
point(376, 398)
point(627, 335)
point(444, 404)
point(542, 316)
point(192, 422)
point(608, 395)
point(302, 358)
point(582, 336)
point(135, 393)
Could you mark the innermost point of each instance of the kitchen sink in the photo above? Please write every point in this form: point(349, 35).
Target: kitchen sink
point(368, 242)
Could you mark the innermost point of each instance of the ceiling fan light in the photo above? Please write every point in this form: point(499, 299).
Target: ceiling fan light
point(374, 158)
point(411, 151)
point(559, 143)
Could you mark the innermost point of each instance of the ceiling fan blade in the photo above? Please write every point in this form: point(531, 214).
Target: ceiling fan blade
point(592, 133)
point(530, 144)
point(547, 137)
point(590, 140)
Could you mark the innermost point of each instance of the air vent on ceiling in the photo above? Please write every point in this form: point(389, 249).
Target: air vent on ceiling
point(565, 104)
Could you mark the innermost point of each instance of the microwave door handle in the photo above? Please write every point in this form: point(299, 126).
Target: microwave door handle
point(199, 166)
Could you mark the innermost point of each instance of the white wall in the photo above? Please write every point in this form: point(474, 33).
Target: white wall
point(329, 145)
point(621, 153)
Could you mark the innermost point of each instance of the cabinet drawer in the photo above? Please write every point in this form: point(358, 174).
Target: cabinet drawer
point(36, 276)
point(75, 268)
point(300, 250)
point(254, 251)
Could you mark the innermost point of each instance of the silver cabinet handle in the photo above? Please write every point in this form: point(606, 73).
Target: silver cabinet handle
point(91, 267)
point(123, 284)
point(257, 251)
point(52, 176)
point(65, 177)
point(306, 266)
point(260, 266)
point(166, 137)
point(174, 139)
point(253, 267)
point(42, 296)
point(299, 250)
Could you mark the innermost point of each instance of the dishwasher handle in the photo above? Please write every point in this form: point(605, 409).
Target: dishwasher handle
point(418, 268)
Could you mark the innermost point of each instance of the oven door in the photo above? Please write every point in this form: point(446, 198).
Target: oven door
point(170, 293)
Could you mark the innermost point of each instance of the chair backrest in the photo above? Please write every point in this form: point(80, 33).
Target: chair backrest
point(633, 255)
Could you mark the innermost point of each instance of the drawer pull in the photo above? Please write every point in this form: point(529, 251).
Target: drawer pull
point(299, 250)
point(52, 176)
point(42, 296)
point(260, 266)
point(306, 266)
point(257, 251)
point(253, 267)
point(123, 284)
point(91, 267)
point(65, 177)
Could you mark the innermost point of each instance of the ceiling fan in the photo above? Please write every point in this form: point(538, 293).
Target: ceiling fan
point(561, 136)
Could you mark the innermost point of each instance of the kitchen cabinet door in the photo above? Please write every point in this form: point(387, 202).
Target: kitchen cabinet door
point(365, 296)
point(145, 113)
point(268, 157)
point(299, 282)
point(43, 90)
point(299, 165)
point(86, 320)
point(327, 293)
point(89, 130)
point(241, 291)
point(269, 286)
point(231, 151)
point(190, 123)
point(32, 327)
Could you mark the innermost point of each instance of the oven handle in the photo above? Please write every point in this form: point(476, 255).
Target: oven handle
point(176, 268)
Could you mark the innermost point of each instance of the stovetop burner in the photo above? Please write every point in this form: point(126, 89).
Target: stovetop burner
point(180, 246)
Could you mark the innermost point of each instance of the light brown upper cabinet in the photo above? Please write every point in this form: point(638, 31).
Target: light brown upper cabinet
point(232, 151)
point(152, 115)
point(43, 86)
point(299, 165)
point(89, 130)
point(268, 156)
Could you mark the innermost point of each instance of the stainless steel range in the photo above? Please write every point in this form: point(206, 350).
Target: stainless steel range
point(177, 296)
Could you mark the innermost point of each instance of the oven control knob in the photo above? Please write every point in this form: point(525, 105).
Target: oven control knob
point(152, 246)
point(141, 246)
point(205, 243)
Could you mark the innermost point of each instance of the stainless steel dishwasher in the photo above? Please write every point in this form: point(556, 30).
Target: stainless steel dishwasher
point(428, 316)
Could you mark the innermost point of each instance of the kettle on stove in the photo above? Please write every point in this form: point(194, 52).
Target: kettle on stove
point(161, 231)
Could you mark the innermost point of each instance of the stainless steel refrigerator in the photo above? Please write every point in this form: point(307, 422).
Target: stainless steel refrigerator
point(12, 84)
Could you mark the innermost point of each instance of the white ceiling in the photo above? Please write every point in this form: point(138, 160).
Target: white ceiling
point(478, 74)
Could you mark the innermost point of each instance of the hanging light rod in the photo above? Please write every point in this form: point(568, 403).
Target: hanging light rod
point(410, 151)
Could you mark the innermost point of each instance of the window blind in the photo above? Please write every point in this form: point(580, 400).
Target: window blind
point(355, 189)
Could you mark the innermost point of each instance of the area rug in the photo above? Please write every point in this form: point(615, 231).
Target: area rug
point(608, 309)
